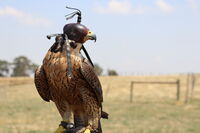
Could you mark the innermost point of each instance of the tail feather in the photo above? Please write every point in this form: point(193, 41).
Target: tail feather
point(104, 115)
point(99, 127)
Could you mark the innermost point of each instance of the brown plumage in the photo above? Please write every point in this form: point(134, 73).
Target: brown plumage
point(79, 98)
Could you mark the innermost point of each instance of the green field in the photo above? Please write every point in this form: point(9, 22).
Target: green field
point(154, 108)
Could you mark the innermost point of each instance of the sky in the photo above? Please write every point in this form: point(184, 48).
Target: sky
point(133, 36)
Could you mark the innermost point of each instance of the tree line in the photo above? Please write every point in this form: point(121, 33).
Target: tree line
point(24, 67)
point(99, 71)
point(20, 66)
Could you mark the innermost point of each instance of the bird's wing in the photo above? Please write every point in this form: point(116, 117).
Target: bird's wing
point(90, 76)
point(41, 84)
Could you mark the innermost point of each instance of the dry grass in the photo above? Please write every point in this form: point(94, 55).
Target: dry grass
point(15, 81)
point(154, 109)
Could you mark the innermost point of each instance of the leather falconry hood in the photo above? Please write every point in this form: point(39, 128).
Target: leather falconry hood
point(75, 32)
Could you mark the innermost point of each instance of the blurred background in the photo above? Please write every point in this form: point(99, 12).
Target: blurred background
point(146, 55)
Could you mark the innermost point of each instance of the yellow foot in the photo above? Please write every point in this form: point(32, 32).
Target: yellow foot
point(87, 131)
point(60, 129)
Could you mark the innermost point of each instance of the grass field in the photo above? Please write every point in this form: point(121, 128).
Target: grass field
point(154, 108)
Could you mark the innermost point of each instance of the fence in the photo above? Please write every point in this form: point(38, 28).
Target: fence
point(177, 83)
point(190, 85)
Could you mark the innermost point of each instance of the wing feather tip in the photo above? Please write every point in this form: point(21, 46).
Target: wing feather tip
point(104, 115)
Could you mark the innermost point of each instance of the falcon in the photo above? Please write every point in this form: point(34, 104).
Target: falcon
point(71, 83)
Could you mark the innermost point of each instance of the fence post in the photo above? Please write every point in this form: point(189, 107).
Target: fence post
point(187, 89)
point(178, 90)
point(193, 85)
point(131, 92)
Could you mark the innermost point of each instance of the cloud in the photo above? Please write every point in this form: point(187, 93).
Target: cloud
point(122, 7)
point(119, 7)
point(192, 4)
point(115, 7)
point(165, 7)
point(23, 17)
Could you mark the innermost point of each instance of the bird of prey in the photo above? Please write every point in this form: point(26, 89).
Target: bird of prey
point(78, 97)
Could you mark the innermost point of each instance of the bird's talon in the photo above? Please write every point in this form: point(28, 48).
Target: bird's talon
point(94, 131)
point(69, 131)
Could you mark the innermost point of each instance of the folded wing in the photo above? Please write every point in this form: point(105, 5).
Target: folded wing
point(41, 84)
point(90, 76)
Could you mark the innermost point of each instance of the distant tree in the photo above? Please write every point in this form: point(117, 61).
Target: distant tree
point(112, 73)
point(33, 67)
point(4, 68)
point(98, 69)
point(22, 66)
